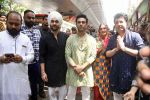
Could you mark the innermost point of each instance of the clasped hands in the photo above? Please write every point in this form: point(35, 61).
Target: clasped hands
point(78, 69)
point(8, 59)
point(120, 43)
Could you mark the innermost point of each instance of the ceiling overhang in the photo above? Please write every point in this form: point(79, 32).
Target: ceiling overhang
point(92, 8)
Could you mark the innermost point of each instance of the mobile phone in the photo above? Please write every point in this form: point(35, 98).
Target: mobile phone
point(9, 55)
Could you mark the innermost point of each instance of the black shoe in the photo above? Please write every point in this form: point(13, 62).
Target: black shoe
point(42, 94)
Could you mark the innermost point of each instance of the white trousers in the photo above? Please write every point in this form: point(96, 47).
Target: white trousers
point(72, 93)
point(57, 93)
point(117, 96)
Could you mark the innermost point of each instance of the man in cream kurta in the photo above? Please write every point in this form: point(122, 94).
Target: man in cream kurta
point(16, 52)
point(80, 53)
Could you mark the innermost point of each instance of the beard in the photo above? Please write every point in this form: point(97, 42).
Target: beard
point(13, 32)
point(54, 28)
point(29, 24)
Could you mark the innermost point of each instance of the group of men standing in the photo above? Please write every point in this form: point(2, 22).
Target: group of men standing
point(65, 63)
point(26, 51)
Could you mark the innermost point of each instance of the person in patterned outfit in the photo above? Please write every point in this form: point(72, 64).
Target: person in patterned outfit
point(101, 65)
point(34, 34)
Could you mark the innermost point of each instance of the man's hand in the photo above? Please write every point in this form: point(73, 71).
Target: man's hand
point(4, 59)
point(78, 69)
point(130, 95)
point(44, 77)
point(118, 47)
point(17, 59)
point(120, 43)
point(82, 74)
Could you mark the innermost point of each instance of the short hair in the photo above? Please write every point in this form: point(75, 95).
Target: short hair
point(82, 16)
point(118, 15)
point(26, 11)
point(73, 28)
point(14, 12)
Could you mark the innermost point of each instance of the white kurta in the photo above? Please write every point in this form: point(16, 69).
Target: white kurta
point(14, 81)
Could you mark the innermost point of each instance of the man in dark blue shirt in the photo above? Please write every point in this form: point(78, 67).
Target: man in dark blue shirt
point(123, 48)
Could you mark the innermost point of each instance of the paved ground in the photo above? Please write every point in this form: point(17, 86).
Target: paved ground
point(78, 97)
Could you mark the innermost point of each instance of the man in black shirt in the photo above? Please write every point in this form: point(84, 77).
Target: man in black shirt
point(44, 29)
point(52, 58)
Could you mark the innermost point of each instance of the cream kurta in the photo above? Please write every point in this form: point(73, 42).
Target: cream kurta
point(79, 51)
point(14, 82)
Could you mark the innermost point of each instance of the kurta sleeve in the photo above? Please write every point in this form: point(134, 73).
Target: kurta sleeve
point(68, 51)
point(93, 51)
point(28, 58)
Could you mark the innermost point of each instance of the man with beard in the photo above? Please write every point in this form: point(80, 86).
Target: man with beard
point(52, 58)
point(122, 49)
point(44, 29)
point(80, 53)
point(34, 34)
point(16, 52)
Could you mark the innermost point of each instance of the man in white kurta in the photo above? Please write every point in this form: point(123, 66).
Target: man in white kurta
point(14, 82)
